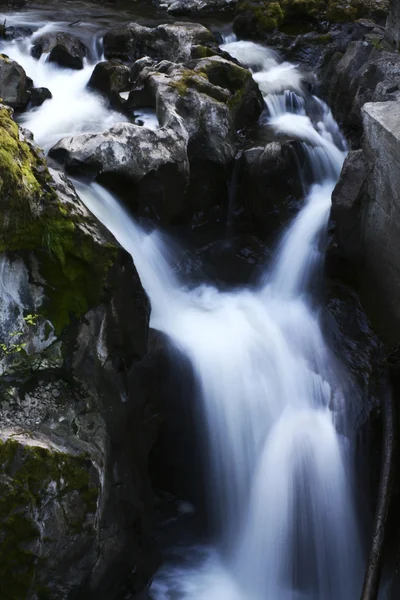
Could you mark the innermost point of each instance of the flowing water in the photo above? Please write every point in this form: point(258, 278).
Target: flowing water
point(276, 401)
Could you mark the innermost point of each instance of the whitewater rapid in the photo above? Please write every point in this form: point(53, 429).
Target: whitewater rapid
point(274, 397)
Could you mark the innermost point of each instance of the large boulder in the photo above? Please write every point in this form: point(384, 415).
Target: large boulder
point(173, 41)
point(14, 84)
point(63, 48)
point(148, 167)
point(110, 78)
point(180, 169)
point(75, 424)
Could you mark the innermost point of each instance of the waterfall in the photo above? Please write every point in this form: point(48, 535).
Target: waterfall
point(275, 399)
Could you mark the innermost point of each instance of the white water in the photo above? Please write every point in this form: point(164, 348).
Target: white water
point(274, 396)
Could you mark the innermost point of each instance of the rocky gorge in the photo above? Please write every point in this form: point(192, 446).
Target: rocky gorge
point(216, 142)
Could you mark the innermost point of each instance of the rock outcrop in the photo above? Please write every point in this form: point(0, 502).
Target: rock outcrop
point(367, 72)
point(366, 211)
point(178, 172)
point(63, 48)
point(176, 42)
point(76, 426)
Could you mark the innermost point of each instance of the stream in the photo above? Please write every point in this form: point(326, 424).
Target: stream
point(276, 401)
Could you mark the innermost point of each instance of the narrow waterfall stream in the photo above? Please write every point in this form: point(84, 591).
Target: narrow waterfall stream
point(275, 398)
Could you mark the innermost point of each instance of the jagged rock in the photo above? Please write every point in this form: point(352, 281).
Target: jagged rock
point(130, 153)
point(174, 41)
point(365, 73)
point(14, 84)
point(110, 79)
point(74, 478)
point(199, 107)
point(40, 95)
point(347, 200)
point(63, 48)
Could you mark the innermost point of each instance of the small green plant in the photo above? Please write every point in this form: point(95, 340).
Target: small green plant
point(15, 343)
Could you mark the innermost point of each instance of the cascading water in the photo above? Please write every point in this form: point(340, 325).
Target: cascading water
point(275, 398)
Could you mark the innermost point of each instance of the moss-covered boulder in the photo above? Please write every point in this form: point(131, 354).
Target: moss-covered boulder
point(74, 253)
point(75, 423)
point(48, 501)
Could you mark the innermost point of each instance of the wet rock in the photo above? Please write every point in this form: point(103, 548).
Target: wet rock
point(347, 200)
point(40, 95)
point(132, 159)
point(14, 84)
point(14, 33)
point(74, 476)
point(199, 107)
point(366, 72)
point(110, 79)
point(268, 187)
point(63, 48)
point(173, 41)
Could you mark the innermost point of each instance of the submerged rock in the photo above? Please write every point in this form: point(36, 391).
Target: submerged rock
point(40, 95)
point(14, 84)
point(63, 48)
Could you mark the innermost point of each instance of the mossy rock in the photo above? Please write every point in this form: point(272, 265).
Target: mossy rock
point(32, 479)
point(265, 16)
point(72, 261)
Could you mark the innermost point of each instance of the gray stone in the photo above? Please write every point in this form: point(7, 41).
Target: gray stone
point(172, 41)
point(14, 84)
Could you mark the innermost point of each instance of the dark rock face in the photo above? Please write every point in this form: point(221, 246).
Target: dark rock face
point(76, 424)
point(40, 95)
point(268, 187)
point(64, 49)
point(178, 171)
point(14, 84)
point(176, 42)
point(364, 211)
point(366, 72)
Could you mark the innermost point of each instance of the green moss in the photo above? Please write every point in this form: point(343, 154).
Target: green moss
point(32, 218)
point(26, 473)
point(341, 11)
point(202, 52)
point(187, 78)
